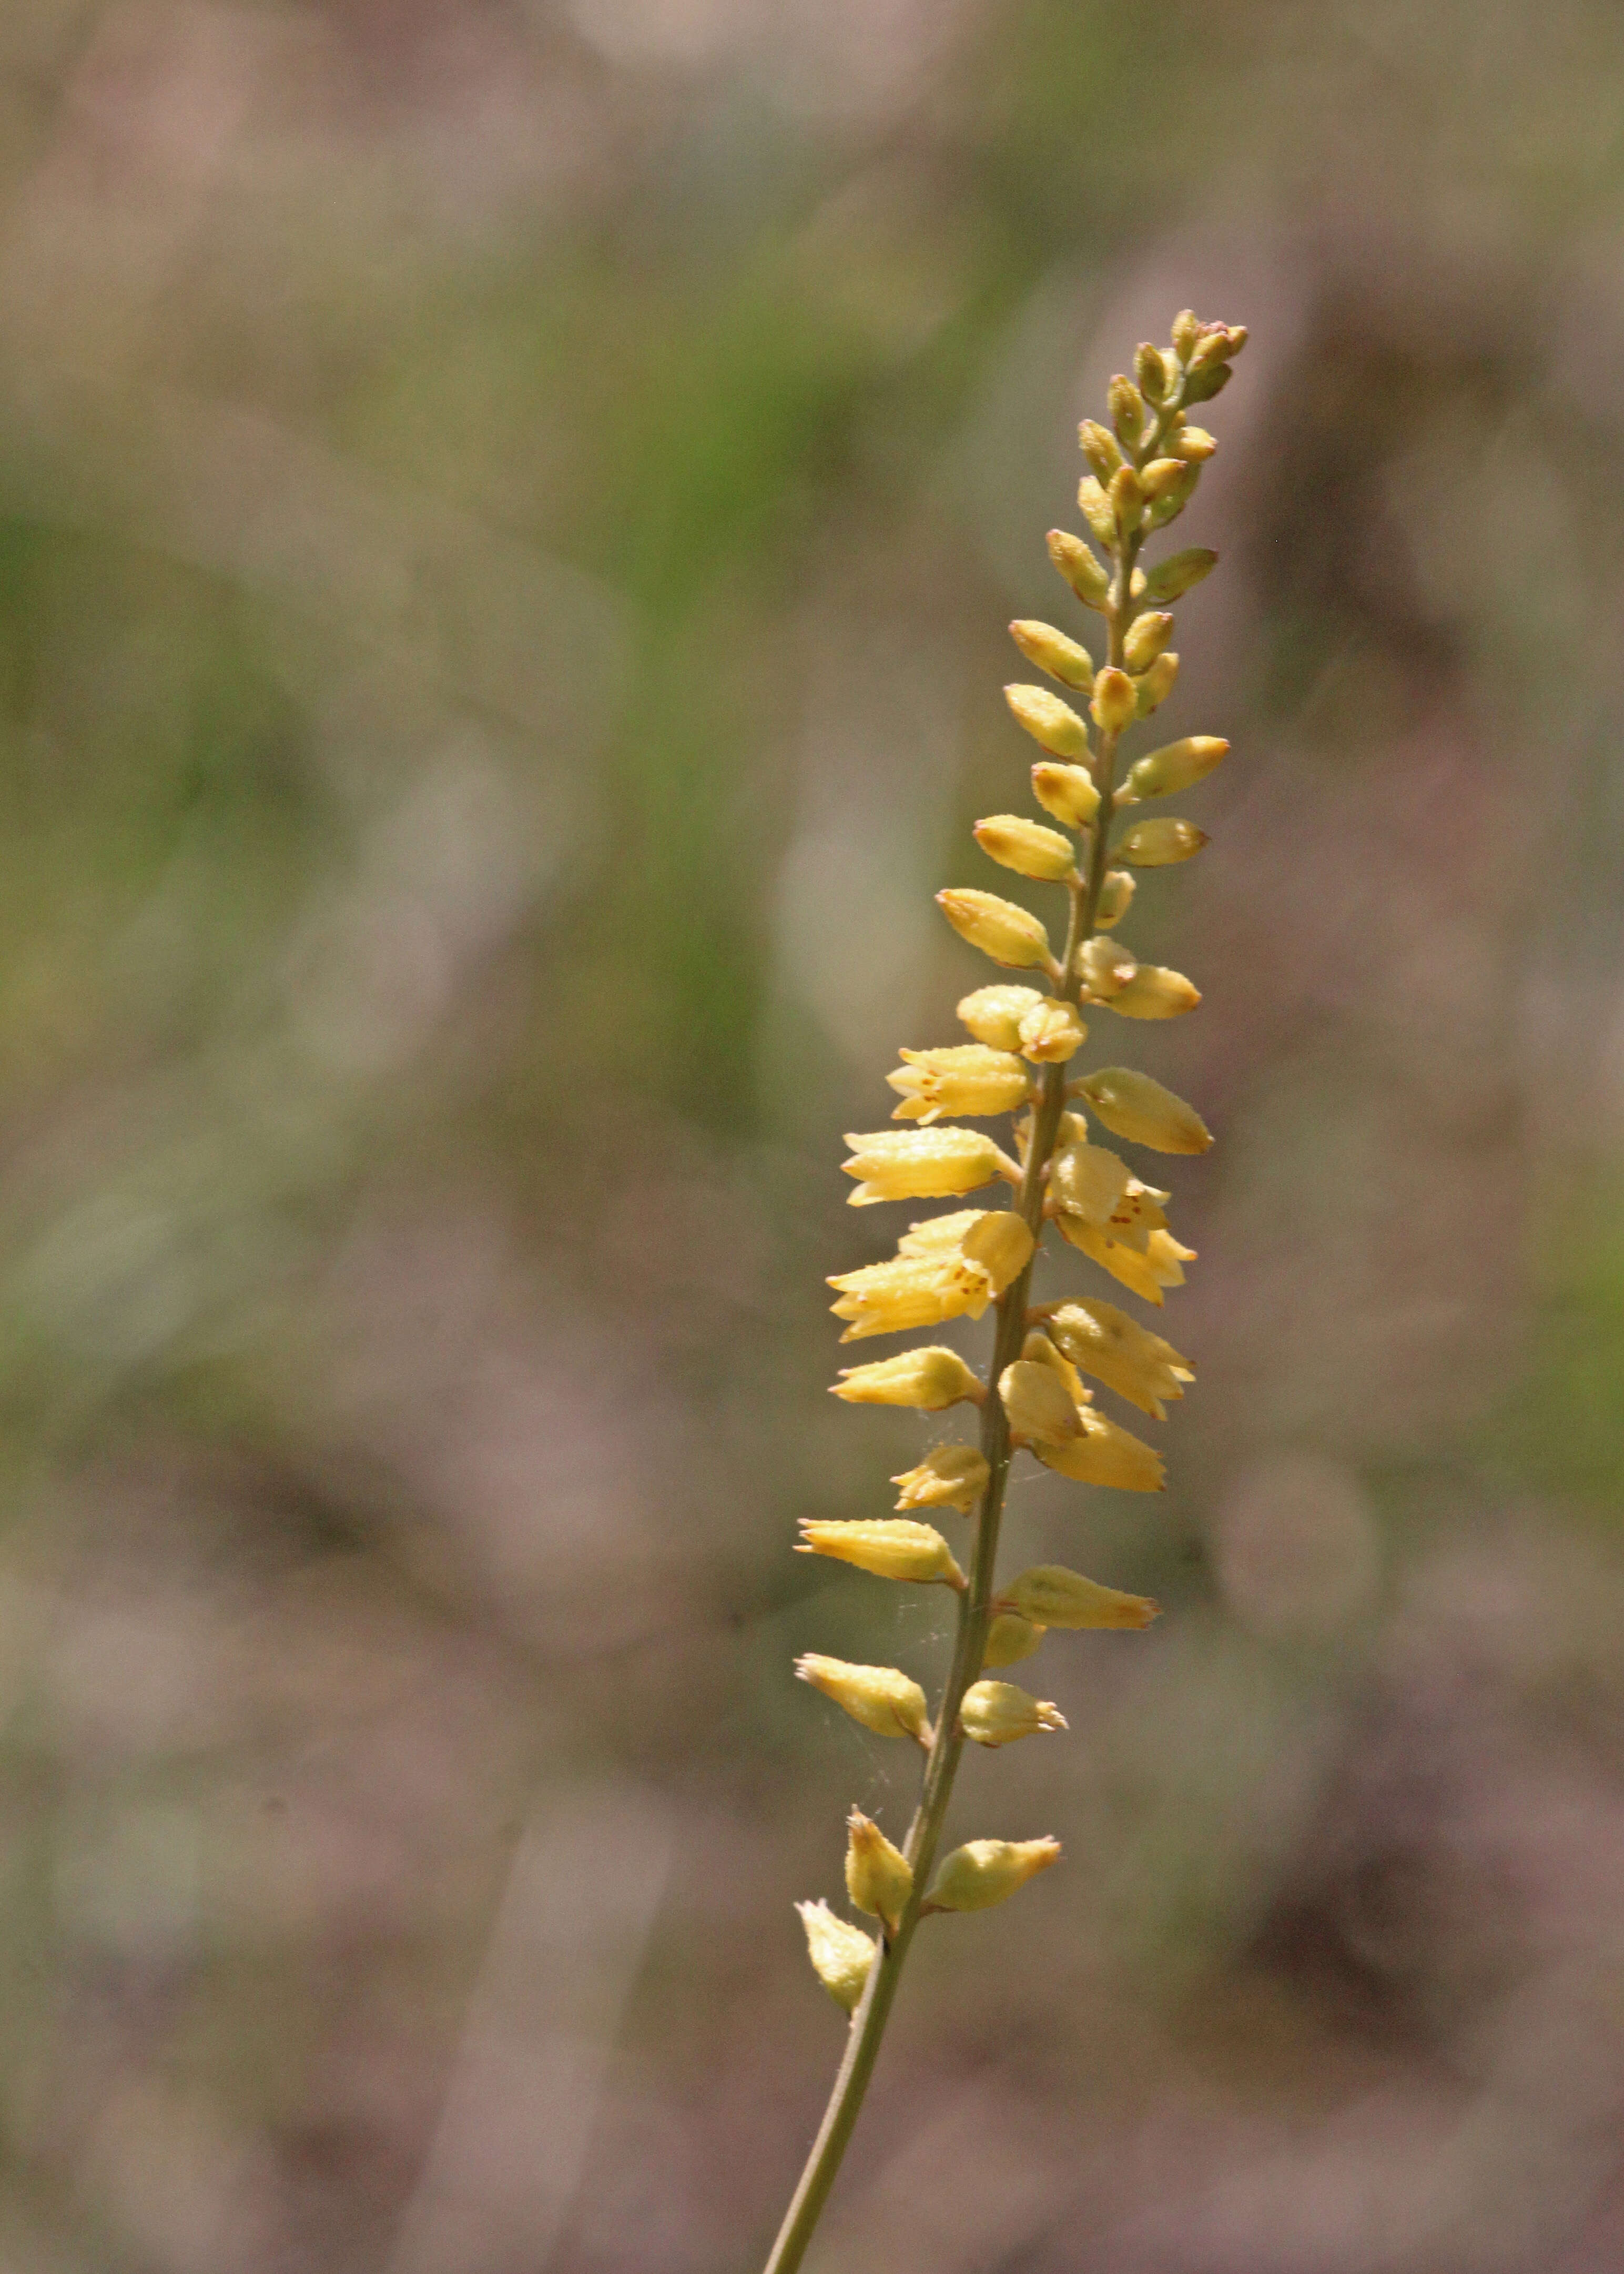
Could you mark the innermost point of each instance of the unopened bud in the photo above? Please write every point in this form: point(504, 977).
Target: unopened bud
point(1040, 1410)
point(1173, 498)
point(998, 1712)
point(1127, 405)
point(1159, 844)
point(1067, 792)
point(891, 1547)
point(1089, 1181)
point(1100, 449)
point(1133, 1106)
point(1097, 510)
point(1127, 500)
point(1212, 378)
point(1116, 897)
point(881, 1697)
point(1053, 652)
point(1176, 766)
point(1148, 636)
point(1113, 700)
point(993, 1014)
point(983, 1872)
point(1080, 567)
point(920, 1164)
point(1193, 443)
point(841, 1953)
point(930, 1379)
point(1027, 847)
point(1010, 1638)
point(1178, 572)
point(1009, 935)
point(1150, 369)
point(1048, 720)
point(1217, 344)
point(1186, 331)
point(1054, 1597)
point(1102, 1454)
point(1156, 992)
point(879, 1878)
point(1154, 686)
point(1160, 476)
point(1052, 1033)
point(953, 1476)
point(1107, 966)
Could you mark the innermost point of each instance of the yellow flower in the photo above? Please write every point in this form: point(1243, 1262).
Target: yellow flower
point(1041, 1410)
point(1052, 1032)
point(963, 1078)
point(888, 1547)
point(1154, 992)
point(1107, 967)
point(879, 1878)
point(1009, 935)
point(994, 1014)
point(983, 1872)
point(907, 1291)
point(1133, 1106)
point(1088, 1181)
point(1113, 702)
point(1067, 792)
point(953, 1476)
point(1145, 1274)
point(841, 1953)
point(1102, 1454)
point(1118, 1352)
point(1052, 1595)
point(998, 1712)
point(921, 1164)
point(930, 1378)
point(881, 1697)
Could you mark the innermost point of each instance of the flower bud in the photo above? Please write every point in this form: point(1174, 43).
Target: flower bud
point(1212, 378)
point(1010, 1638)
point(1037, 1350)
point(1186, 332)
point(1088, 1181)
point(1078, 565)
point(1148, 637)
point(1009, 935)
point(841, 1953)
point(1194, 444)
point(1127, 405)
point(1000, 1244)
point(1151, 371)
point(1102, 1454)
point(1027, 847)
point(1162, 476)
point(1113, 700)
point(1100, 449)
point(1159, 844)
point(1171, 497)
point(998, 1712)
point(1040, 1409)
point(1052, 1033)
point(1116, 897)
point(962, 1078)
point(1118, 1352)
point(931, 1378)
point(1175, 766)
point(993, 1014)
point(1048, 720)
point(953, 1476)
point(1127, 501)
point(1178, 572)
point(1067, 792)
point(1054, 1597)
point(909, 1292)
point(891, 1547)
point(920, 1164)
point(1097, 510)
point(1107, 966)
point(1218, 344)
point(879, 1878)
point(983, 1872)
point(1053, 652)
point(1152, 686)
point(1156, 992)
point(1144, 1273)
point(1133, 1105)
point(881, 1697)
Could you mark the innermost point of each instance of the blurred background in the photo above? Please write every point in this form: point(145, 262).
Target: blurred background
point(508, 513)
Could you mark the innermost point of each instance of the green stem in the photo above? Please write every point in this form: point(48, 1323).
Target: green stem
point(873, 2012)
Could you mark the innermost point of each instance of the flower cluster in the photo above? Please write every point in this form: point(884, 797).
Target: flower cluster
point(1037, 1398)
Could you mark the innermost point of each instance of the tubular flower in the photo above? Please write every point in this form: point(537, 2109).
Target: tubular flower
point(963, 1078)
point(889, 1546)
point(924, 1164)
point(931, 1379)
point(1035, 1387)
point(983, 1872)
point(953, 1476)
point(998, 1712)
point(879, 1696)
